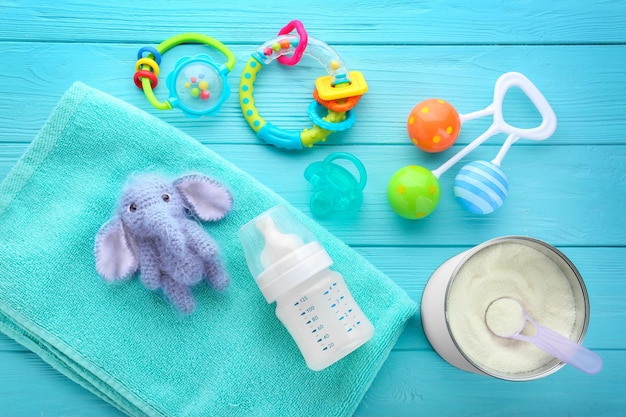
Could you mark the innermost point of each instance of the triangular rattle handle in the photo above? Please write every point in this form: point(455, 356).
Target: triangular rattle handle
point(515, 79)
point(541, 132)
point(503, 84)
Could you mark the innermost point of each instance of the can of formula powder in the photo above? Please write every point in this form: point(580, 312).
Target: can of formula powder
point(537, 275)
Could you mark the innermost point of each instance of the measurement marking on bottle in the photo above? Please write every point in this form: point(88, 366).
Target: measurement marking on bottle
point(337, 302)
point(305, 309)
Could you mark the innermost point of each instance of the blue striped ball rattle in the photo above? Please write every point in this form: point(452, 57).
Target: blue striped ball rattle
point(480, 187)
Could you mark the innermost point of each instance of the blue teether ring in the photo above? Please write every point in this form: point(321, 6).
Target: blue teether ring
point(150, 50)
point(314, 114)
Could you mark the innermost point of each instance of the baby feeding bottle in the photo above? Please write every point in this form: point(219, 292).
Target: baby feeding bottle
point(312, 301)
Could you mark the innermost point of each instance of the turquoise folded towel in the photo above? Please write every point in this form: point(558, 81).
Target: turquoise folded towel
point(231, 357)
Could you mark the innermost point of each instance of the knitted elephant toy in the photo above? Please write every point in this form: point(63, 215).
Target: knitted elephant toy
point(153, 231)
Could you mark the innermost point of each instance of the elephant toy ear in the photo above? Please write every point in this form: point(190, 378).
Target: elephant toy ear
point(116, 255)
point(205, 197)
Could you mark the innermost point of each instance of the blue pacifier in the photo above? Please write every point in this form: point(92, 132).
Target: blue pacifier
point(334, 187)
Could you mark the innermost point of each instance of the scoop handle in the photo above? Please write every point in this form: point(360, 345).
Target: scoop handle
point(564, 349)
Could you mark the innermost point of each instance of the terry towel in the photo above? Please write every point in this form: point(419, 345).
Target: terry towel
point(231, 357)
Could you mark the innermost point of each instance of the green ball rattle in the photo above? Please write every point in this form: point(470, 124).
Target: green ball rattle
point(413, 192)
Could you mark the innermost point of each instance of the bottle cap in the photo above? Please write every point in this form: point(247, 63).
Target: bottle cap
point(281, 252)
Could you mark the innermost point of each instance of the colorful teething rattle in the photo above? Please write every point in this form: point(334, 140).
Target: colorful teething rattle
point(335, 94)
point(480, 186)
point(198, 86)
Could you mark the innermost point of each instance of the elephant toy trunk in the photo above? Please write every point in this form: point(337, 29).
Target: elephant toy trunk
point(163, 228)
point(176, 260)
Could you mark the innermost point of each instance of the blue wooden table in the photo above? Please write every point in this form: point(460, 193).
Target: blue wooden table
point(569, 190)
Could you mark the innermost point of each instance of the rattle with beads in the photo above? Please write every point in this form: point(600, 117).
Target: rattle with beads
point(197, 85)
point(336, 94)
point(481, 186)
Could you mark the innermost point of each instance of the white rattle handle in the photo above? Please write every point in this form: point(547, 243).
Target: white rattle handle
point(503, 84)
point(541, 132)
point(492, 130)
point(515, 79)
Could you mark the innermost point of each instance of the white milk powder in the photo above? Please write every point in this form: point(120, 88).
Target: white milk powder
point(516, 271)
point(505, 317)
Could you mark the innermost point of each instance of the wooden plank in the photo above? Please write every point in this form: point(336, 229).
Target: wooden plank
point(569, 190)
point(568, 196)
point(571, 79)
point(398, 22)
point(434, 388)
point(411, 267)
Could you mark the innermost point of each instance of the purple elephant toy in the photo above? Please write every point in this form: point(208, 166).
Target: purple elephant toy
point(154, 231)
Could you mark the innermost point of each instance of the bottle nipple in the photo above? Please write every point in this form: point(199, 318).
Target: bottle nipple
point(281, 252)
point(277, 244)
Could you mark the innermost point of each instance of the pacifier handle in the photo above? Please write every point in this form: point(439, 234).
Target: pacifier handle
point(355, 161)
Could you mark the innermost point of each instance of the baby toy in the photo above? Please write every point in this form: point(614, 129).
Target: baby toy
point(197, 86)
point(335, 94)
point(334, 187)
point(481, 187)
point(434, 125)
point(152, 232)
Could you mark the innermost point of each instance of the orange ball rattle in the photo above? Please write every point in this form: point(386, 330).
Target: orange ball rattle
point(433, 125)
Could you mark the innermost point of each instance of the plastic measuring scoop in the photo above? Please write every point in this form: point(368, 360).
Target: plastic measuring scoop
point(506, 317)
